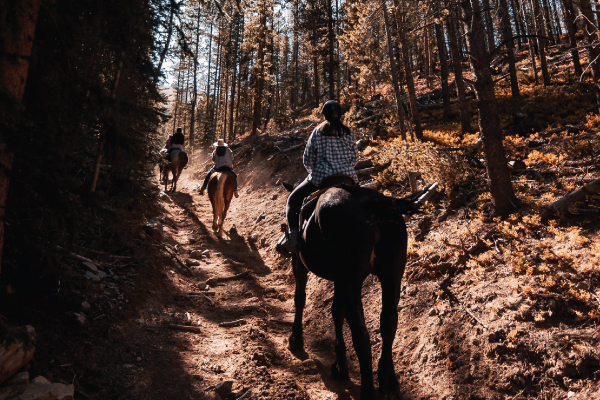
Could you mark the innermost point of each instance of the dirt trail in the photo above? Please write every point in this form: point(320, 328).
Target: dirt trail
point(253, 355)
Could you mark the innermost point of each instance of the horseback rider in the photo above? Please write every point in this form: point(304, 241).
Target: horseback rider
point(222, 157)
point(331, 150)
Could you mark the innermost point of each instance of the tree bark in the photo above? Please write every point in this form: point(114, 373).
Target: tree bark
point(399, 102)
point(18, 20)
point(441, 44)
point(489, 26)
point(569, 13)
point(410, 83)
point(465, 117)
point(542, 43)
point(591, 35)
point(17, 346)
point(518, 22)
point(510, 47)
point(260, 71)
point(503, 197)
point(111, 118)
point(548, 21)
point(331, 50)
point(163, 53)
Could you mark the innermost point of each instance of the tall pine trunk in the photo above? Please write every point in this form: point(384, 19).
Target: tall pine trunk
point(399, 102)
point(410, 83)
point(569, 13)
point(441, 44)
point(510, 47)
point(489, 25)
point(542, 43)
point(17, 29)
point(260, 67)
point(592, 36)
point(503, 197)
point(465, 116)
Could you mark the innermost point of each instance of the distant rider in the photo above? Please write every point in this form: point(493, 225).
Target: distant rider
point(331, 150)
point(222, 157)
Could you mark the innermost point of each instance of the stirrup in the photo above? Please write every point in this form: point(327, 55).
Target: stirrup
point(288, 244)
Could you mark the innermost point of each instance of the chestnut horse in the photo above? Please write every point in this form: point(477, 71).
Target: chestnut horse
point(352, 233)
point(179, 160)
point(220, 192)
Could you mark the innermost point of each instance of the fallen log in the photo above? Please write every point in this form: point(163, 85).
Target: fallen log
point(579, 194)
point(16, 349)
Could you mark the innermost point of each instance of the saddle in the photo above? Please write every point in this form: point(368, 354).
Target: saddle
point(309, 204)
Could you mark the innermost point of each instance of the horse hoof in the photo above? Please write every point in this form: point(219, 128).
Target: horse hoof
point(339, 373)
point(295, 344)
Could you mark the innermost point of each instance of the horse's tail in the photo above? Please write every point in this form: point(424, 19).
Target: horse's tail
point(219, 195)
point(183, 159)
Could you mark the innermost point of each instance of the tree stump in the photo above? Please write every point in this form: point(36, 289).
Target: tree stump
point(16, 349)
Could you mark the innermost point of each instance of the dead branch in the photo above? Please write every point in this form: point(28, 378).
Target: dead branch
point(578, 194)
point(237, 322)
point(475, 318)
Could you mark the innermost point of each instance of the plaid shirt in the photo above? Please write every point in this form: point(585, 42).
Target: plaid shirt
point(330, 155)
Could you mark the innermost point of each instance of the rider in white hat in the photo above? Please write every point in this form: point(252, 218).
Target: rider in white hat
point(222, 157)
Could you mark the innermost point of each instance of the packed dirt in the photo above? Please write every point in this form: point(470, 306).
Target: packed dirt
point(469, 334)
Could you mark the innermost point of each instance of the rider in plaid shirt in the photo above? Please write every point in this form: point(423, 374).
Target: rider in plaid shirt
point(331, 150)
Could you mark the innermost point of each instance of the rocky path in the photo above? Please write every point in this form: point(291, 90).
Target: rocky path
point(211, 339)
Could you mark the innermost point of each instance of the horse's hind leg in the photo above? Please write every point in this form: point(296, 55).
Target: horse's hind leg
point(296, 339)
point(389, 269)
point(339, 369)
point(353, 311)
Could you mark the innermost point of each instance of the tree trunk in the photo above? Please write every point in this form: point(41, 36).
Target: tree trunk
point(316, 80)
point(111, 118)
point(163, 53)
point(17, 346)
point(399, 102)
point(489, 26)
point(295, 51)
point(331, 50)
point(238, 26)
point(591, 35)
point(192, 137)
point(18, 20)
point(260, 72)
point(410, 83)
point(542, 43)
point(530, 40)
point(439, 36)
point(510, 47)
point(569, 13)
point(503, 197)
point(548, 20)
point(465, 117)
point(518, 22)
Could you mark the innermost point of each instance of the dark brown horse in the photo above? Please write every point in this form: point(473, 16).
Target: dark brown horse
point(179, 160)
point(220, 192)
point(354, 232)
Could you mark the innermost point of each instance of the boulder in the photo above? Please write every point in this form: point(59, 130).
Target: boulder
point(39, 389)
point(155, 230)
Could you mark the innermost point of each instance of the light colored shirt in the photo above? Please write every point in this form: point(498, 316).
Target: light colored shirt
point(330, 155)
point(223, 161)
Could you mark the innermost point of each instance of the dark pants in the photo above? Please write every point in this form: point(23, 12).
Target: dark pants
point(210, 172)
point(294, 203)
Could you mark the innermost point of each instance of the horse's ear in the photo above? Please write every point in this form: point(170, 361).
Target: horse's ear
point(288, 186)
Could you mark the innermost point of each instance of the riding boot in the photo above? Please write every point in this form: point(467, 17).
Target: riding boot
point(206, 179)
point(292, 241)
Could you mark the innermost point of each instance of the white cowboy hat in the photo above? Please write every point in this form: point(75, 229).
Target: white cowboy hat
point(219, 143)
